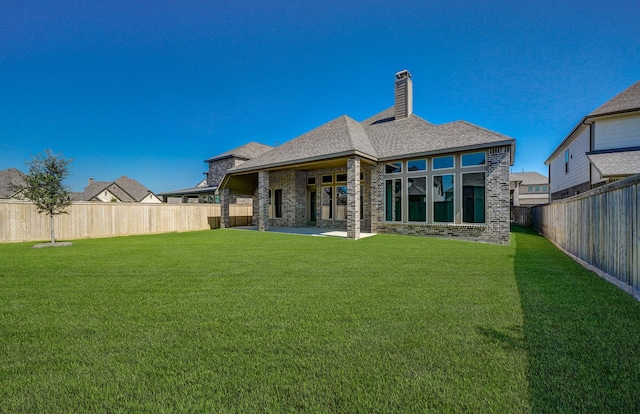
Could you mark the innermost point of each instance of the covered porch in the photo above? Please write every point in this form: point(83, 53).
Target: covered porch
point(324, 196)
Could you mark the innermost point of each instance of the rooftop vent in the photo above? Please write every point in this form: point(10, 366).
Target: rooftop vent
point(404, 94)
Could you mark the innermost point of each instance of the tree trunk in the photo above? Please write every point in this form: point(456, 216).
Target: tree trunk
point(53, 240)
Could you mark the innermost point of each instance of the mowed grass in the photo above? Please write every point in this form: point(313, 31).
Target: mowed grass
point(236, 321)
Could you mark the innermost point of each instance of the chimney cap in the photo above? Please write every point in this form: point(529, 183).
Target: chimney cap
point(403, 74)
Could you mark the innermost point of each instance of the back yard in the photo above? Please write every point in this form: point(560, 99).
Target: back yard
point(235, 321)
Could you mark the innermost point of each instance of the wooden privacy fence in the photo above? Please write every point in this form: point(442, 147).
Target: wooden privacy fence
point(521, 215)
point(601, 228)
point(20, 222)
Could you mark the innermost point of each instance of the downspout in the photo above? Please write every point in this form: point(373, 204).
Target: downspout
point(590, 124)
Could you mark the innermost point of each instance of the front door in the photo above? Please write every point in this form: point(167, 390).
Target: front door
point(311, 207)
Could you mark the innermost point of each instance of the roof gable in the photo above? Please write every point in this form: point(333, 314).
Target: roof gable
point(10, 179)
point(414, 136)
point(338, 137)
point(124, 188)
point(627, 100)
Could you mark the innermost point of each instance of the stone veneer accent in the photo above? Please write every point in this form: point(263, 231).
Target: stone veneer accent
point(225, 201)
point(353, 198)
point(262, 203)
point(218, 168)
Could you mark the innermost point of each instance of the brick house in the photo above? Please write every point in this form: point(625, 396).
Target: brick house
point(391, 173)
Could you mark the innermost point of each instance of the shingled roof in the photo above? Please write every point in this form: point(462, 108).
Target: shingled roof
point(529, 178)
point(379, 138)
point(616, 163)
point(10, 179)
point(125, 188)
point(247, 152)
point(625, 101)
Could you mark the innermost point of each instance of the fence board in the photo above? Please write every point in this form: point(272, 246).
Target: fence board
point(19, 221)
point(599, 227)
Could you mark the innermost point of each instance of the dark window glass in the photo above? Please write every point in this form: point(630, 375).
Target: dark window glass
point(443, 193)
point(278, 203)
point(341, 178)
point(393, 168)
point(476, 158)
point(473, 198)
point(417, 165)
point(327, 179)
point(417, 192)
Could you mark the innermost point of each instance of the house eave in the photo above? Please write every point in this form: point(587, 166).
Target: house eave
point(509, 142)
point(290, 163)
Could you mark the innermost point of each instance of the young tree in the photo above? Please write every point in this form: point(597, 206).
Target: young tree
point(44, 185)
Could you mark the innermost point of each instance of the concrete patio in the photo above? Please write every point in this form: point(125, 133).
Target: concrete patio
point(305, 231)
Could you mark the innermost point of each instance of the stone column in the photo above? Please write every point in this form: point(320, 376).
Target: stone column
point(225, 200)
point(353, 198)
point(377, 197)
point(263, 200)
point(497, 215)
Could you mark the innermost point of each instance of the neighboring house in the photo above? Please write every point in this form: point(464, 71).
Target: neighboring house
point(603, 146)
point(207, 190)
point(528, 189)
point(11, 180)
point(122, 190)
point(392, 173)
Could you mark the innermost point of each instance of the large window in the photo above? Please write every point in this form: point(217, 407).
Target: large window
point(327, 203)
point(473, 198)
point(443, 198)
point(448, 188)
point(417, 193)
point(393, 200)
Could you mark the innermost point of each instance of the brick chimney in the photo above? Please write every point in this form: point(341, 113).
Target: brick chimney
point(404, 94)
point(90, 180)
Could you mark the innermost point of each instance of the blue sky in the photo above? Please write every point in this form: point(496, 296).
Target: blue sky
point(150, 89)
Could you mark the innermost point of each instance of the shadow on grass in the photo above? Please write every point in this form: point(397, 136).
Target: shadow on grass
point(581, 333)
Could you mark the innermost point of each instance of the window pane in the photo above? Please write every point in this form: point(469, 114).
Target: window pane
point(327, 178)
point(341, 178)
point(417, 199)
point(477, 158)
point(473, 198)
point(398, 201)
point(393, 200)
point(443, 192)
point(393, 168)
point(443, 162)
point(278, 201)
point(341, 202)
point(417, 165)
point(327, 203)
point(311, 180)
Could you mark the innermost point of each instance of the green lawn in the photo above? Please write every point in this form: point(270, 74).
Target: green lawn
point(235, 321)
